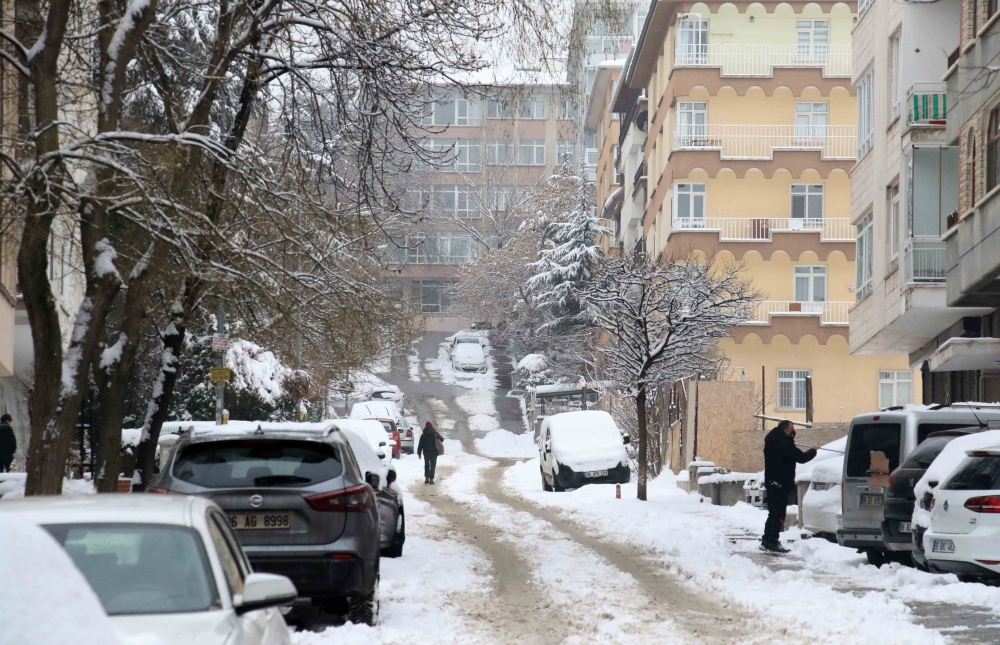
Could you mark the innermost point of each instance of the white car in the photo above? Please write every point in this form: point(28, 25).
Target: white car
point(388, 393)
point(374, 432)
point(166, 568)
point(583, 447)
point(468, 357)
point(964, 533)
point(821, 505)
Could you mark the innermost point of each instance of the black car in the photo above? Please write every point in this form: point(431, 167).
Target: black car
point(899, 500)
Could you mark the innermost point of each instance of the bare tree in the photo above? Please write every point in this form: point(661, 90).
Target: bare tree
point(663, 318)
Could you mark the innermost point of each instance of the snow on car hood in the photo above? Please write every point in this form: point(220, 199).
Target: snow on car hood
point(470, 353)
point(586, 440)
point(197, 628)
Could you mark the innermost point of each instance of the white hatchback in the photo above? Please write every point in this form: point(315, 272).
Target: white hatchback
point(166, 568)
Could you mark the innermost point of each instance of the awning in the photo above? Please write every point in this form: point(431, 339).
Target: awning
point(961, 354)
point(613, 206)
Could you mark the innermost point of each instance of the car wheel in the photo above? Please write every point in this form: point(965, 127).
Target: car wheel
point(875, 557)
point(555, 480)
point(395, 550)
point(363, 610)
point(545, 484)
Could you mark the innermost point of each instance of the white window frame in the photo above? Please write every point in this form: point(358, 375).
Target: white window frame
point(564, 108)
point(895, 70)
point(468, 155)
point(500, 198)
point(813, 39)
point(814, 278)
point(894, 215)
point(792, 389)
point(692, 42)
point(900, 386)
point(566, 147)
point(499, 109)
point(468, 111)
point(535, 155)
point(531, 108)
point(864, 257)
point(812, 121)
point(500, 152)
point(803, 192)
point(866, 111)
point(693, 190)
point(692, 122)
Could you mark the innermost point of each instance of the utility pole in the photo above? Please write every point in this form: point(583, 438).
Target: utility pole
point(220, 360)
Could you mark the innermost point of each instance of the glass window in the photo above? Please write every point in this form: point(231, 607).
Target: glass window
point(813, 38)
point(500, 198)
point(228, 560)
point(925, 454)
point(810, 284)
point(892, 228)
point(468, 112)
point(692, 42)
point(689, 204)
point(466, 202)
point(866, 438)
point(432, 296)
point(468, 155)
point(564, 108)
point(894, 388)
point(932, 195)
point(792, 389)
point(992, 149)
point(141, 568)
point(976, 473)
point(895, 99)
point(499, 151)
point(865, 261)
point(807, 201)
point(498, 109)
point(566, 151)
point(811, 120)
point(255, 463)
point(532, 108)
point(531, 152)
point(866, 112)
point(692, 119)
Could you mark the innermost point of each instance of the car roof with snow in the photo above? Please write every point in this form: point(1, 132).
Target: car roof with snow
point(374, 410)
point(309, 430)
point(566, 423)
point(132, 509)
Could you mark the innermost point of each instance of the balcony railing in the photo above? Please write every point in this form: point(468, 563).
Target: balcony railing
point(760, 60)
point(829, 313)
point(609, 44)
point(927, 104)
point(640, 174)
point(924, 261)
point(591, 159)
point(750, 229)
point(760, 141)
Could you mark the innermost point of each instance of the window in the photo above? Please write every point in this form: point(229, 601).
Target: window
point(813, 38)
point(792, 389)
point(691, 123)
point(564, 108)
point(498, 109)
point(566, 152)
point(692, 44)
point(500, 198)
point(992, 150)
point(442, 154)
point(468, 112)
point(244, 464)
point(866, 112)
point(499, 151)
point(456, 201)
point(531, 152)
point(895, 100)
point(894, 388)
point(810, 284)
point(431, 296)
point(439, 113)
point(970, 168)
point(227, 558)
point(807, 201)
point(863, 5)
point(532, 108)
point(689, 204)
point(448, 248)
point(892, 226)
point(468, 155)
point(866, 438)
point(864, 257)
point(811, 120)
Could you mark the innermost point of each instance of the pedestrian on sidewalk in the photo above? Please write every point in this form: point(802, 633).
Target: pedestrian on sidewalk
point(780, 457)
point(428, 447)
point(8, 443)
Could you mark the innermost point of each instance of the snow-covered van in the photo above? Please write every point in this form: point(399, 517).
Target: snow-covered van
point(894, 433)
point(584, 447)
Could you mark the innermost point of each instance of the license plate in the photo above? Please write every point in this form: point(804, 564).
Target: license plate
point(596, 473)
point(905, 527)
point(871, 500)
point(943, 546)
point(260, 521)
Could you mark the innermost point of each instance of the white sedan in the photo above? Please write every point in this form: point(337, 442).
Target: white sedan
point(166, 568)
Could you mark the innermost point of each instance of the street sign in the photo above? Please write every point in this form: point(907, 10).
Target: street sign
point(219, 373)
point(220, 343)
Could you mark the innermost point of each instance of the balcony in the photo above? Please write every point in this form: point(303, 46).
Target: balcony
point(609, 44)
point(927, 104)
point(829, 313)
point(760, 229)
point(924, 261)
point(591, 157)
point(760, 141)
point(761, 60)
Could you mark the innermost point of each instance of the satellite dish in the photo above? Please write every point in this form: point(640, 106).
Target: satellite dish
point(642, 121)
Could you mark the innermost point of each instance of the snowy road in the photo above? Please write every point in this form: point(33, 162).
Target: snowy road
point(491, 558)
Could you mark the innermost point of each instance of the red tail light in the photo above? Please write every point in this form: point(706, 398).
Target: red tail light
point(931, 506)
point(348, 500)
point(409, 434)
point(987, 504)
point(891, 475)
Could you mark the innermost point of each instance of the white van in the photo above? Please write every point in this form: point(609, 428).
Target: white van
point(895, 433)
point(584, 447)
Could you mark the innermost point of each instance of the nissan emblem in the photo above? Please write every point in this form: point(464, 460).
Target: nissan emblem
point(257, 500)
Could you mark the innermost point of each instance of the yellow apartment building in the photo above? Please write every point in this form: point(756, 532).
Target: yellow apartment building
point(599, 118)
point(750, 125)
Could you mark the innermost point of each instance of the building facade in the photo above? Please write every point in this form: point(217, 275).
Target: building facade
point(746, 128)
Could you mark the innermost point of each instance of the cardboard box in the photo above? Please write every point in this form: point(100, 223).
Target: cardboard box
point(878, 471)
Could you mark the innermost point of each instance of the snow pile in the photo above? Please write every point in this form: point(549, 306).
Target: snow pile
point(478, 404)
point(413, 364)
point(507, 445)
point(532, 363)
point(724, 478)
point(44, 599)
point(586, 440)
point(11, 488)
point(256, 369)
point(945, 463)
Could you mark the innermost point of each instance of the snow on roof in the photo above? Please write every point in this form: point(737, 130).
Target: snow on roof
point(581, 421)
point(374, 410)
point(724, 478)
point(829, 471)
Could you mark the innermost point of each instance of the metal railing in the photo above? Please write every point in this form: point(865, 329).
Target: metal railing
point(761, 228)
point(609, 44)
point(640, 174)
point(745, 141)
point(927, 103)
point(830, 313)
point(591, 159)
point(924, 261)
point(760, 60)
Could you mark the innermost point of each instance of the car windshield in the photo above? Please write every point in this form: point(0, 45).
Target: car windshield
point(976, 473)
point(141, 568)
point(926, 452)
point(240, 464)
point(867, 438)
point(467, 340)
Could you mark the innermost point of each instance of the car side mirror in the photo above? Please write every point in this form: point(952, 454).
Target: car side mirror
point(263, 590)
point(380, 454)
point(372, 480)
point(390, 476)
point(626, 439)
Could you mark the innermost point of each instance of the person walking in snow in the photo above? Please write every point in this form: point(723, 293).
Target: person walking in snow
point(8, 443)
point(780, 457)
point(428, 447)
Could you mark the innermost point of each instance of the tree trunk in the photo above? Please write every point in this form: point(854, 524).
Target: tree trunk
point(640, 409)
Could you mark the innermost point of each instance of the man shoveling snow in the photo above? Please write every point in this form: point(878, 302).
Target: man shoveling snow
point(780, 457)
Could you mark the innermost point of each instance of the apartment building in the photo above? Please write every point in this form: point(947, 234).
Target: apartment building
point(745, 125)
point(603, 122)
point(495, 145)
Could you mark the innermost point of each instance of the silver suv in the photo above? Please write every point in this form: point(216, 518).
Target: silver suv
point(298, 502)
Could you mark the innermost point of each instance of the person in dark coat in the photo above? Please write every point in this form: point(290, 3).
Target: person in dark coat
point(427, 447)
point(8, 443)
point(780, 457)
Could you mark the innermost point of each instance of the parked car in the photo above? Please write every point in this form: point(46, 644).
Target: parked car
point(897, 511)
point(297, 500)
point(375, 434)
point(821, 512)
point(583, 447)
point(386, 410)
point(466, 336)
point(895, 433)
point(381, 475)
point(964, 536)
point(388, 393)
point(166, 568)
point(467, 355)
point(950, 458)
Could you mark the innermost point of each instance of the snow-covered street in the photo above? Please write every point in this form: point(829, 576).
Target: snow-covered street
point(493, 558)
